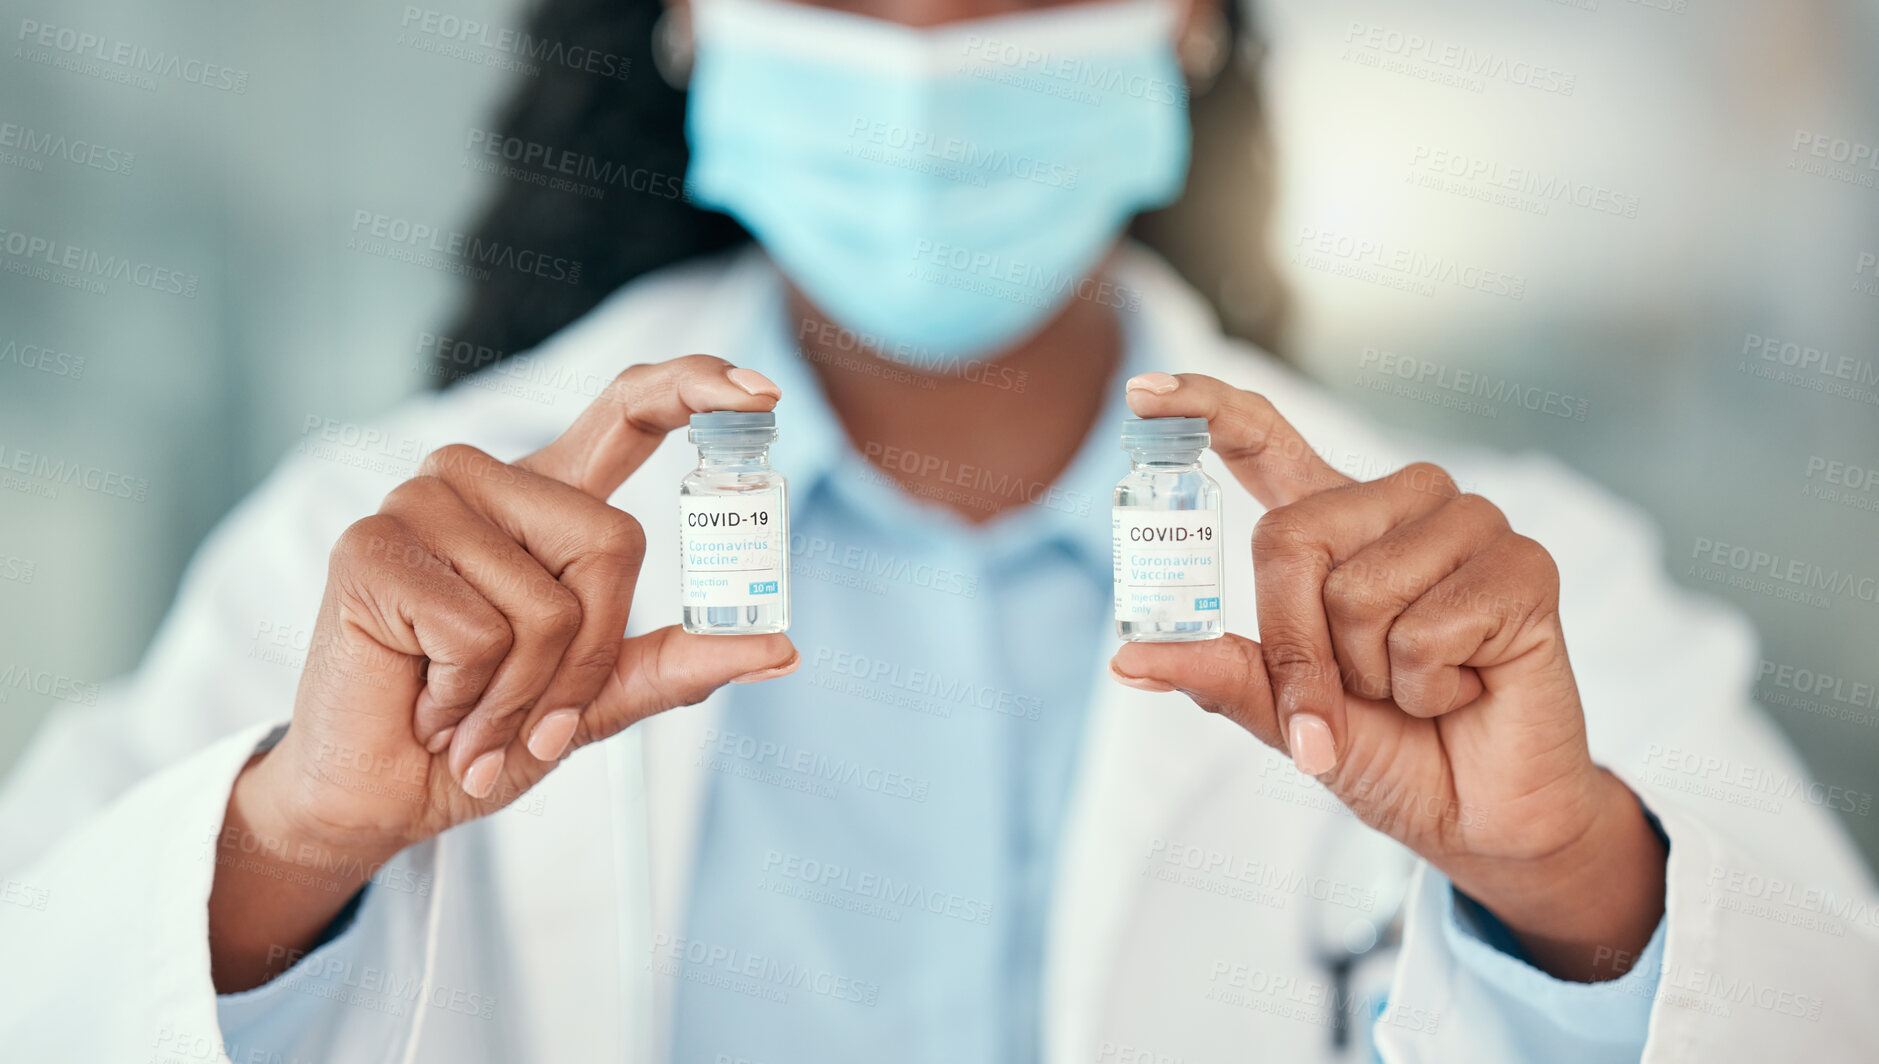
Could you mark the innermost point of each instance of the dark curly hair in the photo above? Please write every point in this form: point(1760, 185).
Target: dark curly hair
point(633, 123)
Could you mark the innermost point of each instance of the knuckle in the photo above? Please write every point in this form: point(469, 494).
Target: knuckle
point(453, 691)
point(367, 539)
point(1411, 644)
point(1530, 551)
point(697, 365)
point(1282, 531)
point(1229, 662)
point(623, 537)
point(1351, 592)
point(487, 636)
point(1296, 659)
point(623, 382)
point(1535, 559)
point(1254, 409)
point(1429, 477)
point(454, 459)
point(417, 494)
point(589, 661)
point(1479, 511)
point(668, 683)
point(560, 611)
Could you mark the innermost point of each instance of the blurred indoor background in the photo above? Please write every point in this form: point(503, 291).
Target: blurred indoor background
point(1684, 194)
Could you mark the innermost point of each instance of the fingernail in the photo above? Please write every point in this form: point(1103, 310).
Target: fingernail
point(755, 383)
point(441, 740)
point(1158, 383)
point(552, 734)
point(481, 779)
point(1312, 748)
point(1140, 683)
point(771, 673)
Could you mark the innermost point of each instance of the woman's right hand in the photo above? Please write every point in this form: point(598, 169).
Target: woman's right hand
point(469, 637)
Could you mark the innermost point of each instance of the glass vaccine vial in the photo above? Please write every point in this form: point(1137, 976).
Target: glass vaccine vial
point(734, 528)
point(1166, 523)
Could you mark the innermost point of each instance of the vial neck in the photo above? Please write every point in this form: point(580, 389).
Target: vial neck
point(733, 458)
point(1164, 461)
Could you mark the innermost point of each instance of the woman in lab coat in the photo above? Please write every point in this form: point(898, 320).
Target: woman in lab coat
point(937, 820)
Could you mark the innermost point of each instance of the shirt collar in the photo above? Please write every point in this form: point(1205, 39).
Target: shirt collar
point(814, 454)
point(809, 441)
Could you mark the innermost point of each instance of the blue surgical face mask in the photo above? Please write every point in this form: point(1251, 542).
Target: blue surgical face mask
point(945, 189)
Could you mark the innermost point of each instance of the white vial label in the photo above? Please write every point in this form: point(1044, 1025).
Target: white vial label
point(731, 549)
point(1168, 564)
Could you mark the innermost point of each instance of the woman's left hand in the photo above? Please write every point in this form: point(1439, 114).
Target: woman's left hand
point(1411, 658)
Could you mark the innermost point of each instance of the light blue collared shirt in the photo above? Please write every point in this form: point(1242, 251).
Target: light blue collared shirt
point(886, 820)
point(958, 656)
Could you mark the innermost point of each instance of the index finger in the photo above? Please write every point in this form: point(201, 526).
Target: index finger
point(1262, 449)
point(624, 425)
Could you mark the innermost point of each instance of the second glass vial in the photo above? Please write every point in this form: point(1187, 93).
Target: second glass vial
point(1167, 540)
point(734, 529)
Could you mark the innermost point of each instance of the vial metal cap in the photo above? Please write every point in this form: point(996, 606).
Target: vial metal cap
point(733, 427)
point(1164, 434)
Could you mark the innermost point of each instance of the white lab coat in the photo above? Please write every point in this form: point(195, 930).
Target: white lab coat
point(542, 933)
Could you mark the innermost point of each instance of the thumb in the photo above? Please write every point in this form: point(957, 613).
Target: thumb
point(1225, 675)
point(671, 667)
